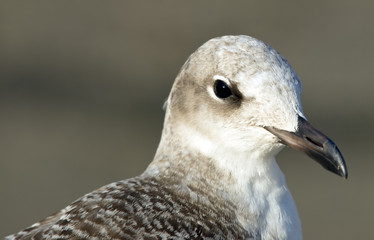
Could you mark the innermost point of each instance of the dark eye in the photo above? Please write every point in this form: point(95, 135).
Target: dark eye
point(221, 89)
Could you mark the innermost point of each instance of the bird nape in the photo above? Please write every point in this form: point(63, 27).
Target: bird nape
point(233, 106)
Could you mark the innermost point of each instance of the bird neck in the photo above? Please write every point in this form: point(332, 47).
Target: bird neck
point(250, 180)
point(241, 163)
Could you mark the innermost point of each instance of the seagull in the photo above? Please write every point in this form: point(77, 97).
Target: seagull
point(233, 106)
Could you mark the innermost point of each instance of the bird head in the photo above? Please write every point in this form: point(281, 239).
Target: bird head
point(238, 95)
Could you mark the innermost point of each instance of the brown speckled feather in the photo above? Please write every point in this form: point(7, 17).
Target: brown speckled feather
point(138, 208)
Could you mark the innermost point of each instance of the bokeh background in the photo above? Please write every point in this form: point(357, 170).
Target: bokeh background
point(82, 85)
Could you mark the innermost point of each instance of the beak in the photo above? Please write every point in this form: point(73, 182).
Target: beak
point(315, 144)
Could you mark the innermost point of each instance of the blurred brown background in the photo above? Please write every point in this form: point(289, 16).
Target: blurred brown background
point(82, 85)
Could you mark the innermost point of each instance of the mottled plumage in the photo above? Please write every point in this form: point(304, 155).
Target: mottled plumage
point(233, 106)
point(146, 207)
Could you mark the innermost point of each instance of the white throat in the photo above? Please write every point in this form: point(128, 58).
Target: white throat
point(258, 186)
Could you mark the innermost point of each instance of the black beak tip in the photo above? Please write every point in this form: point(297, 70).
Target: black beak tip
point(334, 164)
point(337, 160)
point(330, 158)
point(341, 171)
point(344, 174)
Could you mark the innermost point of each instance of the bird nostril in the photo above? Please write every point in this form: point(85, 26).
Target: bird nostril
point(313, 142)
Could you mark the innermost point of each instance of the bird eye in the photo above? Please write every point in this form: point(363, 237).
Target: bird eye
point(221, 89)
